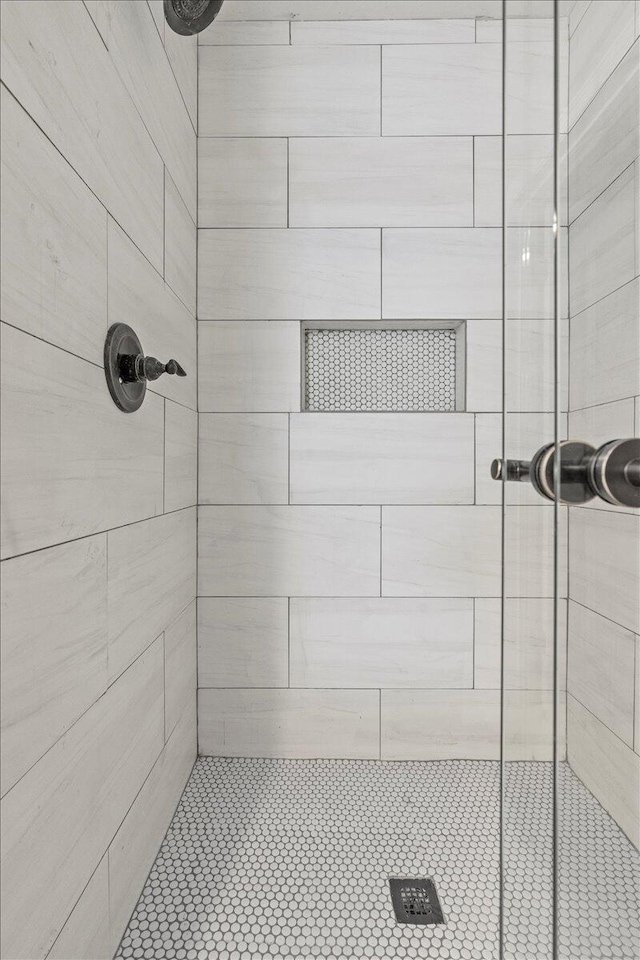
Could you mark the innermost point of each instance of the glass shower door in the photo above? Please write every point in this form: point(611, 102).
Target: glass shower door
point(571, 543)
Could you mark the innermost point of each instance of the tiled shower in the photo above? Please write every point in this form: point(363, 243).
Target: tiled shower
point(278, 636)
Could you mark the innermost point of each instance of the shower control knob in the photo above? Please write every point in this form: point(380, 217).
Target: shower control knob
point(517, 470)
point(128, 370)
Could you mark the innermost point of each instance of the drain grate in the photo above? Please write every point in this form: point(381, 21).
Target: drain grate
point(415, 901)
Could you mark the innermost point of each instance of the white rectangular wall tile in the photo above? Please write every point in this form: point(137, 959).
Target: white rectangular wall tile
point(530, 261)
point(180, 456)
point(604, 141)
point(287, 91)
point(381, 458)
point(450, 273)
point(244, 458)
point(87, 932)
point(180, 668)
point(289, 551)
point(183, 57)
point(242, 182)
point(151, 579)
point(528, 725)
point(357, 9)
point(380, 182)
point(484, 365)
point(54, 451)
point(289, 723)
point(54, 647)
point(605, 349)
point(601, 669)
point(529, 546)
point(135, 845)
point(603, 253)
point(528, 658)
point(381, 643)
point(529, 98)
point(601, 39)
point(606, 766)
point(243, 642)
point(441, 551)
point(179, 246)
point(530, 351)
point(58, 820)
point(234, 33)
point(524, 434)
point(440, 724)
point(252, 367)
point(603, 550)
point(382, 31)
point(58, 68)
point(441, 89)
point(521, 29)
point(289, 274)
point(487, 643)
point(165, 326)
point(130, 34)
point(529, 195)
point(54, 249)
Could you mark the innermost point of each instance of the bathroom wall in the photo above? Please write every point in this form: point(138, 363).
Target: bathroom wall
point(349, 563)
point(98, 526)
point(604, 383)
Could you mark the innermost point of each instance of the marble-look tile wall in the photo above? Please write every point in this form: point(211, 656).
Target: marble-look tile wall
point(349, 563)
point(604, 377)
point(98, 525)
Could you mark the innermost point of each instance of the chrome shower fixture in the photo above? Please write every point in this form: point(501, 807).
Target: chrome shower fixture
point(187, 17)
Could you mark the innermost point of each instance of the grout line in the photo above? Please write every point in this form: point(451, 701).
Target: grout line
point(288, 458)
point(164, 456)
point(288, 190)
point(381, 581)
point(473, 648)
point(288, 642)
point(380, 89)
point(379, 724)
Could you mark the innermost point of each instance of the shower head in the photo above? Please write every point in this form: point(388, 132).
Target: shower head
point(187, 17)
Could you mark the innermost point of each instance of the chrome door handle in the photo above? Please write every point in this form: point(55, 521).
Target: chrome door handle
point(611, 472)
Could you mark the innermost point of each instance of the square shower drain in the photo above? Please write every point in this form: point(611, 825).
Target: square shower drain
point(415, 901)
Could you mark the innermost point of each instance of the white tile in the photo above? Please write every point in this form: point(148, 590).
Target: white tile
point(530, 259)
point(242, 182)
point(604, 564)
point(289, 274)
point(249, 366)
point(441, 89)
point(529, 181)
point(135, 845)
point(441, 551)
point(157, 12)
point(180, 668)
point(180, 456)
point(131, 37)
point(137, 295)
point(183, 57)
point(440, 724)
point(601, 669)
point(54, 452)
point(603, 240)
point(529, 88)
point(382, 31)
point(605, 348)
point(87, 932)
point(58, 68)
point(381, 458)
point(53, 251)
point(601, 39)
point(151, 579)
point(527, 29)
point(381, 642)
point(604, 422)
point(357, 9)
point(604, 141)
point(243, 642)
point(244, 458)
point(380, 182)
point(180, 246)
point(524, 434)
point(607, 767)
point(449, 273)
point(528, 732)
point(58, 820)
point(54, 647)
point(484, 365)
point(234, 33)
point(289, 723)
point(530, 366)
point(576, 14)
point(287, 91)
point(289, 551)
point(529, 552)
point(527, 655)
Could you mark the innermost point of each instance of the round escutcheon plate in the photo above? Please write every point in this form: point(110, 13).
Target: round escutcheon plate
point(121, 342)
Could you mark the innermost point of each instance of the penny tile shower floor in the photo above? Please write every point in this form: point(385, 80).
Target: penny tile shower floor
point(291, 859)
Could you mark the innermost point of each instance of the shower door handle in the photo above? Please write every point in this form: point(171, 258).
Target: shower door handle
point(611, 472)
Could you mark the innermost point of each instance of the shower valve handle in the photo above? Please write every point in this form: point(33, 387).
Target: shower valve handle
point(140, 368)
